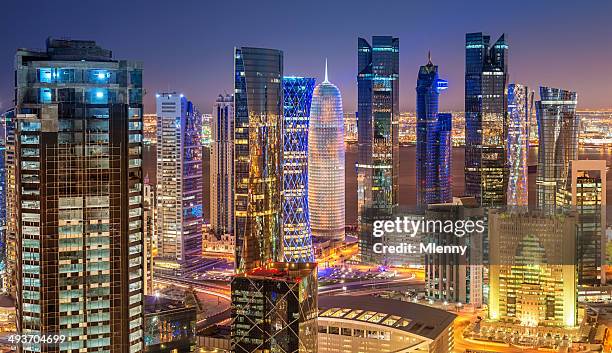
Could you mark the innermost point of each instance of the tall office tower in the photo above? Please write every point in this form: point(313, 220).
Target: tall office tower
point(78, 163)
point(378, 112)
point(532, 274)
point(179, 180)
point(519, 112)
point(558, 143)
point(274, 309)
point(3, 212)
point(433, 147)
point(149, 204)
point(258, 155)
point(9, 276)
point(486, 73)
point(297, 237)
point(222, 166)
point(326, 151)
point(585, 193)
point(455, 278)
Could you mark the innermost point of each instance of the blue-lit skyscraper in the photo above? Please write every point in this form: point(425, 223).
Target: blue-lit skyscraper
point(486, 72)
point(297, 238)
point(433, 150)
point(378, 112)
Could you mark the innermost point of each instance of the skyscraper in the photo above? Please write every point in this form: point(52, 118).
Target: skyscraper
point(3, 191)
point(558, 144)
point(585, 193)
point(326, 186)
point(10, 230)
point(433, 149)
point(258, 155)
point(78, 162)
point(532, 274)
point(274, 309)
point(486, 74)
point(519, 112)
point(378, 114)
point(179, 179)
point(222, 166)
point(297, 237)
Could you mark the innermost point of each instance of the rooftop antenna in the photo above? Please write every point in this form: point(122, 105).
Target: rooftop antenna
point(429, 58)
point(326, 80)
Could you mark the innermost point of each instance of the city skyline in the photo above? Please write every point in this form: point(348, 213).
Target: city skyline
point(534, 43)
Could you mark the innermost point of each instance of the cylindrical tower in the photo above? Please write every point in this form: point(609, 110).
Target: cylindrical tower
point(326, 190)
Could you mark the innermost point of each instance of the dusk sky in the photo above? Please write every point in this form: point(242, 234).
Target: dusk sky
point(187, 46)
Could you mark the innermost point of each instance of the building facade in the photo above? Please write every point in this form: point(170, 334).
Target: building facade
point(532, 273)
point(222, 166)
point(585, 193)
point(179, 180)
point(378, 114)
point(9, 276)
point(274, 309)
point(433, 146)
point(326, 154)
point(297, 236)
point(79, 206)
point(519, 113)
point(486, 75)
point(372, 324)
point(558, 144)
point(258, 155)
point(455, 278)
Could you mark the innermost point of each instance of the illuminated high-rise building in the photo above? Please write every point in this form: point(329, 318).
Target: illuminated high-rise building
point(532, 272)
point(297, 237)
point(486, 74)
point(3, 203)
point(558, 144)
point(179, 180)
point(274, 309)
point(258, 155)
point(80, 183)
point(585, 193)
point(222, 166)
point(326, 152)
point(10, 230)
point(378, 114)
point(433, 147)
point(519, 112)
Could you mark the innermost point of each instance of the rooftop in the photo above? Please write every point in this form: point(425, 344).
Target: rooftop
point(414, 318)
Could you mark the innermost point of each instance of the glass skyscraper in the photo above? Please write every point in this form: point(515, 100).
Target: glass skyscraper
point(378, 116)
point(519, 112)
point(486, 74)
point(558, 144)
point(297, 237)
point(80, 184)
point(258, 155)
point(433, 149)
point(179, 179)
point(222, 166)
point(326, 153)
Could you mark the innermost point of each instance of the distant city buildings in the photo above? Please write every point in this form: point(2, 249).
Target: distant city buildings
point(222, 166)
point(486, 75)
point(520, 108)
point(558, 144)
point(326, 170)
point(433, 149)
point(206, 130)
point(274, 309)
point(297, 237)
point(80, 242)
point(179, 180)
point(532, 275)
point(149, 130)
point(350, 127)
point(378, 112)
point(258, 156)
